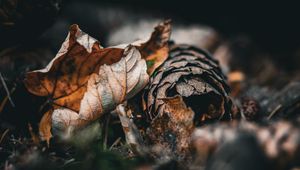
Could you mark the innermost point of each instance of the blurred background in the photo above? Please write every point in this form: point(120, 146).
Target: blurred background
point(256, 37)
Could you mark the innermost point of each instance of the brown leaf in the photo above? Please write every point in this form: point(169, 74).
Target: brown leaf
point(179, 111)
point(45, 127)
point(70, 79)
point(156, 49)
point(171, 129)
point(64, 79)
point(105, 90)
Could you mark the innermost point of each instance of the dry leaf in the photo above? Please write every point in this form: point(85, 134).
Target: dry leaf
point(171, 130)
point(105, 90)
point(158, 40)
point(45, 127)
point(82, 66)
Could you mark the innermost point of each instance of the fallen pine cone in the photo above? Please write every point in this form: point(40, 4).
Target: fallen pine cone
point(188, 90)
point(193, 74)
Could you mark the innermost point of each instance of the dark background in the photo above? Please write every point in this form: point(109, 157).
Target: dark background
point(275, 25)
point(272, 27)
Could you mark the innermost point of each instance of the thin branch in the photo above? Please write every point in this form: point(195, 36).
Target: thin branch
point(115, 143)
point(3, 135)
point(7, 91)
point(106, 132)
point(132, 134)
point(274, 111)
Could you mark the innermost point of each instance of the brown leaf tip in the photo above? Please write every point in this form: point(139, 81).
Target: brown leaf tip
point(164, 32)
point(179, 110)
point(74, 28)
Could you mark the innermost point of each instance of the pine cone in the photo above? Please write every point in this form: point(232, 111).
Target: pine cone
point(188, 90)
point(193, 74)
point(23, 20)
